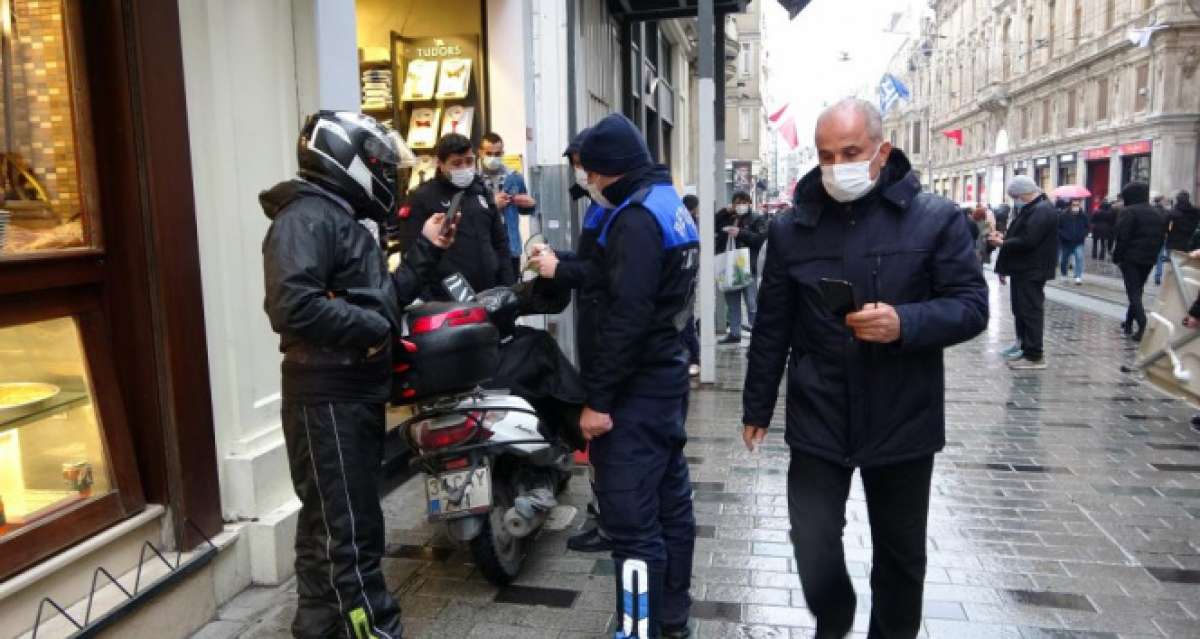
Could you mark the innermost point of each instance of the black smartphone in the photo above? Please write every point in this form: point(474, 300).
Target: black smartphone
point(452, 213)
point(838, 296)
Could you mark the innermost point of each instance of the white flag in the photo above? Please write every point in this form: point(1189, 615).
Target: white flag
point(1140, 38)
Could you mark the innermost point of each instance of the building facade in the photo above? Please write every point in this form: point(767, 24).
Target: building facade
point(744, 118)
point(1054, 89)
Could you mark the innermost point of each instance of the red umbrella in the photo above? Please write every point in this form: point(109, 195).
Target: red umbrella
point(1070, 192)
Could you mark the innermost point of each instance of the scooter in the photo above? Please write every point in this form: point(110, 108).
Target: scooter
point(493, 468)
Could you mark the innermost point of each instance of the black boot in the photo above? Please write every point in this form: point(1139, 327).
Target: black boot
point(590, 540)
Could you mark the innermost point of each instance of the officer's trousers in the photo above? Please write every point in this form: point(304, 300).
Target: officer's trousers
point(645, 497)
point(336, 454)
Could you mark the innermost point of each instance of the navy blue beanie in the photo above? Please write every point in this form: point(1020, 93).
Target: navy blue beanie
point(614, 147)
point(576, 142)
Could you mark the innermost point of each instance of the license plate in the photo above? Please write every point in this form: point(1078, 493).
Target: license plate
point(476, 493)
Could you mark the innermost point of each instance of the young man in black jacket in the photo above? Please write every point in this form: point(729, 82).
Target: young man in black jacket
point(635, 367)
point(748, 231)
point(336, 309)
point(481, 253)
point(1027, 255)
point(1140, 232)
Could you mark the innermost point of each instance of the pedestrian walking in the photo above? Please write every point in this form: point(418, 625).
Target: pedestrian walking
point(1160, 206)
point(1072, 233)
point(509, 193)
point(866, 390)
point(635, 368)
point(482, 254)
point(1027, 255)
point(985, 224)
point(691, 337)
point(1140, 232)
point(1104, 224)
point(579, 271)
point(1185, 219)
point(336, 309)
point(748, 230)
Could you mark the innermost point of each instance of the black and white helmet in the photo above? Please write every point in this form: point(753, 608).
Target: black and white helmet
point(355, 157)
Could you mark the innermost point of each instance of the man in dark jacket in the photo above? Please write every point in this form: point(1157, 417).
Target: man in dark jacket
point(481, 253)
point(336, 309)
point(1140, 232)
point(1185, 218)
point(1027, 255)
point(578, 271)
point(866, 390)
point(635, 368)
point(1104, 222)
point(748, 230)
point(1072, 232)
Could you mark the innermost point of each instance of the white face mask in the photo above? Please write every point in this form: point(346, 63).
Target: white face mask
point(848, 182)
point(742, 209)
point(581, 178)
point(462, 178)
point(493, 163)
point(598, 197)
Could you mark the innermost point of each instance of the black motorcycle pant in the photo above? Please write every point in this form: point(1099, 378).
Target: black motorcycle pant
point(336, 454)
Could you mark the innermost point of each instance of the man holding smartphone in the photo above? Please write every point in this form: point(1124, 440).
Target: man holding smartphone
point(865, 390)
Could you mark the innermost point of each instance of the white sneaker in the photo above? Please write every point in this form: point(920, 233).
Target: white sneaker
point(1079, 281)
point(694, 370)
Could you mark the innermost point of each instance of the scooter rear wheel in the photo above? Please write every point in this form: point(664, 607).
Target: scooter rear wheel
point(498, 554)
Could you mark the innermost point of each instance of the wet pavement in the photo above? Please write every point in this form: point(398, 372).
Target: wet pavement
point(1066, 504)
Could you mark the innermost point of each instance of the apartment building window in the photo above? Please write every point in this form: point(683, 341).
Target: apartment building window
point(745, 63)
point(1102, 99)
point(1006, 60)
point(1147, 5)
point(1029, 38)
point(1046, 116)
point(1078, 24)
point(1142, 101)
point(1072, 110)
point(1050, 30)
point(745, 123)
point(916, 138)
point(892, 137)
point(1025, 123)
point(1110, 14)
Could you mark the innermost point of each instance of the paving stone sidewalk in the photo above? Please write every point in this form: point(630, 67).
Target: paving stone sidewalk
point(1066, 504)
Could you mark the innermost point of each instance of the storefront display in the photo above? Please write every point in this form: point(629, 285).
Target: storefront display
point(1135, 162)
point(51, 453)
point(422, 128)
point(458, 119)
point(455, 80)
point(419, 80)
point(1068, 172)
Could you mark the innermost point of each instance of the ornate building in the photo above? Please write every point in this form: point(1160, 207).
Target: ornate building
point(1054, 89)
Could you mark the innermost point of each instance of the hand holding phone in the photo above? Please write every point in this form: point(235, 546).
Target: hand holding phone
point(838, 296)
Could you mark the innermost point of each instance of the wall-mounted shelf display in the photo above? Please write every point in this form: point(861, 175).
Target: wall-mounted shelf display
point(422, 128)
point(454, 83)
point(458, 119)
point(419, 79)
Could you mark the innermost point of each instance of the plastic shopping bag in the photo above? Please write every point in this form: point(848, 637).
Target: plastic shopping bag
point(733, 268)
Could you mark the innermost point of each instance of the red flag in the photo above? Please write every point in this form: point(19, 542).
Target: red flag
point(774, 117)
point(788, 131)
point(956, 135)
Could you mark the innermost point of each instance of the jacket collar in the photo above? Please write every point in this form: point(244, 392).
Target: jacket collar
point(898, 186)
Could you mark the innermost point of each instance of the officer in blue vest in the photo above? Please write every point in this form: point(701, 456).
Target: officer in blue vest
point(636, 368)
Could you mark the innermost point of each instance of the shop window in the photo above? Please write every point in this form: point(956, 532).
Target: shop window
point(1142, 91)
point(52, 456)
point(44, 196)
point(1102, 99)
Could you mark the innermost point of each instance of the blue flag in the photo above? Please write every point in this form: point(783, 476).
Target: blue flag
point(891, 91)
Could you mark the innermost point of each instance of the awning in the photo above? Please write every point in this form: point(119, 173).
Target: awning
point(640, 10)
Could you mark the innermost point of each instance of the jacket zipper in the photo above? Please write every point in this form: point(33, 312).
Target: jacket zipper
point(851, 225)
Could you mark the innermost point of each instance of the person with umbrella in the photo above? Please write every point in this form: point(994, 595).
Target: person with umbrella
point(1072, 231)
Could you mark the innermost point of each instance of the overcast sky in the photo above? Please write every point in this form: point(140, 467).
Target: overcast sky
point(805, 55)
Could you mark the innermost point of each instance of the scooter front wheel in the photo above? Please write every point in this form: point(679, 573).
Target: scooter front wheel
point(498, 554)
